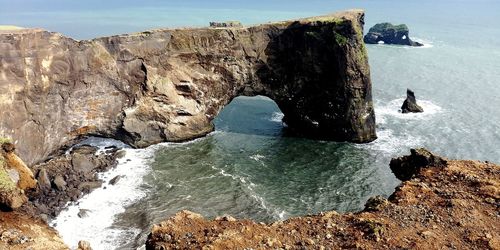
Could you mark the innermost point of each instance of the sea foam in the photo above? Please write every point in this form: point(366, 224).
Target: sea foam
point(392, 110)
point(105, 203)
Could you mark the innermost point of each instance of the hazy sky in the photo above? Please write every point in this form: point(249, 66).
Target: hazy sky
point(84, 19)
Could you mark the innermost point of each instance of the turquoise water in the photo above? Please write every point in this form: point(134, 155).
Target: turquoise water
point(248, 168)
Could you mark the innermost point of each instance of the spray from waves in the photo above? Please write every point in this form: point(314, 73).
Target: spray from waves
point(389, 142)
point(103, 204)
point(277, 117)
point(425, 42)
point(250, 187)
point(392, 110)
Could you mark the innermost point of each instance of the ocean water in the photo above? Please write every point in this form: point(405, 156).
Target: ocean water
point(247, 168)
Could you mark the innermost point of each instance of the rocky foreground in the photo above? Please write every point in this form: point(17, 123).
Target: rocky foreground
point(441, 204)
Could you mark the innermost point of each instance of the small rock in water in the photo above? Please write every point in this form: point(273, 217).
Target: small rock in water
point(410, 104)
point(115, 179)
point(88, 186)
point(84, 245)
point(83, 213)
point(120, 154)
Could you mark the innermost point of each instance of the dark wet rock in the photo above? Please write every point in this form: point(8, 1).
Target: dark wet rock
point(390, 34)
point(169, 84)
point(84, 245)
point(83, 213)
point(405, 167)
point(115, 179)
point(79, 169)
point(120, 154)
point(60, 183)
point(89, 185)
point(410, 104)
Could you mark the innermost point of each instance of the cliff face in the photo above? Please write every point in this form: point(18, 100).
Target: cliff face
point(168, 85)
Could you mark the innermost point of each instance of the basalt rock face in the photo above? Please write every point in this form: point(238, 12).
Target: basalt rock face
point(168, 85)
point(410, 104)
point(390, 34)
point(69, 176)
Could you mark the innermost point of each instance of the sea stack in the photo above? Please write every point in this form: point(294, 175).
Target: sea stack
point(390, 34)
point(410, 104)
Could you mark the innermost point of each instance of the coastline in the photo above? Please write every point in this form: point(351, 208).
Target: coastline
point(440, 203)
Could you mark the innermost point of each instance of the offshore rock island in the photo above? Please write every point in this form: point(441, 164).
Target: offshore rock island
point(388, 33)
point(168, 85)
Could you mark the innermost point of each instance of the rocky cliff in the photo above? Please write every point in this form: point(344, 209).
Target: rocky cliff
point(441, 204)
point(168, 85)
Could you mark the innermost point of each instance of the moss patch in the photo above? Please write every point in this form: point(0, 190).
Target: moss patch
point(382, 27)
point(4, 140)
point(6, 184)
point(341, 40)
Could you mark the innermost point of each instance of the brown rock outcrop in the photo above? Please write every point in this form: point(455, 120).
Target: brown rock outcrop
point(168, 85)
point(15, 178)
point(442, 204)
point(19, 231)
point(13, 162)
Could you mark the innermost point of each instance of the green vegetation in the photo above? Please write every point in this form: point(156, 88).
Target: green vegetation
point(4, 140)
point(341, 40)
point(381, 27)
point(6, 184)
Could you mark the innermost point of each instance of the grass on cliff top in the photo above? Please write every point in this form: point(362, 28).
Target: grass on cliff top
point(381, 27)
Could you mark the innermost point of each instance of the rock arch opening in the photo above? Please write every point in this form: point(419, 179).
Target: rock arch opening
point(255, 115)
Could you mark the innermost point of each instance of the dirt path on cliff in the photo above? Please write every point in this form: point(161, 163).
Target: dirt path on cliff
point(451, 206)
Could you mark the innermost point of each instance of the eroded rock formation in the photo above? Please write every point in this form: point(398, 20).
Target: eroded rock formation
point(168, 85)
point(15, 178)
point(69, 176)
point(441, 204)
point(390, 34)
point(410, 104)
